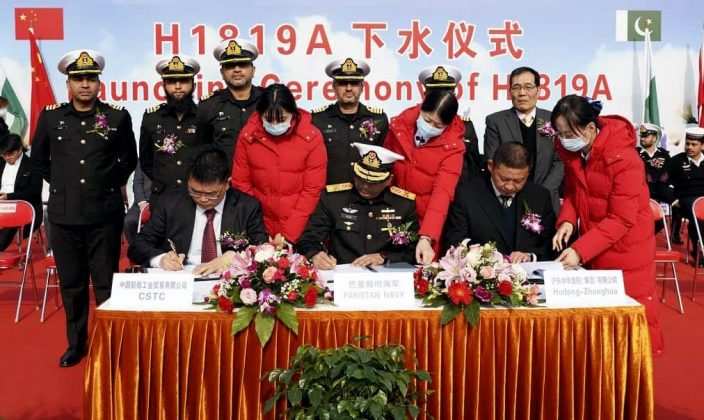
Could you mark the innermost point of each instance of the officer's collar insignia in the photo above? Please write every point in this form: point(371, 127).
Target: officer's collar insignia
point(371, 160)
point(233, 48)
point(440, 74)
point(84, 61)
point(349, 210)
point(176, 64)
point(349, 66)
point(349, 223)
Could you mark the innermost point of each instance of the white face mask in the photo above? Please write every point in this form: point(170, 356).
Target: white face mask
point(276, 129)
point(425, 131)
point(574, 145)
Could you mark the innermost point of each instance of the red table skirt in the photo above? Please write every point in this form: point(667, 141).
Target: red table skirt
point(518, 364)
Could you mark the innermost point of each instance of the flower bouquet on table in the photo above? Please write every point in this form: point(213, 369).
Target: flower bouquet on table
point(469, 275)
point(265, 283)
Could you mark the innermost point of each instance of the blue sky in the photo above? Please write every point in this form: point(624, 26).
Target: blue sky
point(559, 37)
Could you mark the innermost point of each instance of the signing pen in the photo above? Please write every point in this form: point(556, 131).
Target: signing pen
point(173, 248)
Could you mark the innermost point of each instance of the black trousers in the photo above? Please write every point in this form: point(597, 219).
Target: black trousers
point(83, 252)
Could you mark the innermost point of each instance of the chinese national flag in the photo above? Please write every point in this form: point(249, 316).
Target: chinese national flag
point(42, 94)
point(47, 22)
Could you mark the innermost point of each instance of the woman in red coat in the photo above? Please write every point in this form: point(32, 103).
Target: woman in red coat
point(280, 159)
point(430, 138)
point(606, 192)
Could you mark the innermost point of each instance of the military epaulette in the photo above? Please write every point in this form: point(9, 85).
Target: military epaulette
point(403, 193)
point(320, 109)
point(153, 109)
point(465, 119)
point(54, 106)
point(117, 107)
point(209, 95)
point(338, 187)
point(374, 109)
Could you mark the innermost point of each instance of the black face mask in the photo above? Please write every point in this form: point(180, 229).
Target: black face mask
point(183, 105)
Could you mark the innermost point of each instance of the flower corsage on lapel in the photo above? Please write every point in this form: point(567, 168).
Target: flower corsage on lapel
point(234, 241)
point(545, 129)
point(367, 130)
point(169, 145)
point(402, 235)
point(532, 222)
point(101, 126)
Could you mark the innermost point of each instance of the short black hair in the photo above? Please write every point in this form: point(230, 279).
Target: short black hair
point(209, 166)
point(275, 99)
point(524, 69)
point(579, 111)
point(442, 102)
point(10, 142)
point(513, 155)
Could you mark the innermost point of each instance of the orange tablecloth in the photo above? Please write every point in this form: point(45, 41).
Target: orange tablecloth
point(547, 364)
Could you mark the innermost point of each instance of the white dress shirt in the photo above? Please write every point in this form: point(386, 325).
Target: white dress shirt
point(522, 116)
point(199, 222)
point(9, 175)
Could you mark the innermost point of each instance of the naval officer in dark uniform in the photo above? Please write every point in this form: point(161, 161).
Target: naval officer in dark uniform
point(366, 221)
point(86, 150)
point(223, 113)
point(348, 121)
point(168, 132)
point(447, 77)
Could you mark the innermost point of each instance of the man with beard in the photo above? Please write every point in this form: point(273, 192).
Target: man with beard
point(347, 121)
point(85, 150)
point(168, 133)
point(223, 113)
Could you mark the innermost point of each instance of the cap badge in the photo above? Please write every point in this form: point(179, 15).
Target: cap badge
point(233, 48)
point(349, 66)
point(176, 64)
point(440, 74)
point(371, 160)
point(84, 61)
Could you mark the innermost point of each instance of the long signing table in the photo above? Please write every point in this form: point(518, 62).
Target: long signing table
point(518, 364)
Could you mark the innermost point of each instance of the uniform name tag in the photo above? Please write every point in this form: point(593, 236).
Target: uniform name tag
point(584, 288)
point(152, 291)
point(381, 290)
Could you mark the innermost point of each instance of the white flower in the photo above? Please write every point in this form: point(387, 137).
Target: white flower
point(264, 252)
point(248, 296)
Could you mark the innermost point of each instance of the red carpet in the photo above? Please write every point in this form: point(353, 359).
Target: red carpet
point(32, 386)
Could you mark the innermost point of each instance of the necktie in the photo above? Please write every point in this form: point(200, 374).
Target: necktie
point(208, 250)
point(505, 201)
point(527, 120)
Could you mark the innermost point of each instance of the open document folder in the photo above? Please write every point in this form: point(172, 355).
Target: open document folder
point(329, 275)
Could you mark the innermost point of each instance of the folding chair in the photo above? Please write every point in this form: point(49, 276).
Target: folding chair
point(18, 214)
point(666, 255)
point(144, 215)
point(698, 212)
point(51, 273)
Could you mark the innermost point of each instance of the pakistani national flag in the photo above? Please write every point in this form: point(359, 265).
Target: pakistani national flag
point(19, 123)
point(650, 109)
point(630, 25)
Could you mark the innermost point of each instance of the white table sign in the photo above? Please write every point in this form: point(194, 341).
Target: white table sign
point(381, 290)
point(584, 288)
point(151, 292)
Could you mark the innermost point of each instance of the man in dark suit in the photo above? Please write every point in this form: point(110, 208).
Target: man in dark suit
point(185, 223)
point(526, 123)
point(19, 182)
point(85, 149)
point(504, 208)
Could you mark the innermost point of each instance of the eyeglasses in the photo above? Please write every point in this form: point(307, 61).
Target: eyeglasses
point(527, 88)
point(207, 196)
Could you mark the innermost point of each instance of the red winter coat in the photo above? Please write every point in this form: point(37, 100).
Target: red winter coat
point(431, 171)
point(285, 173)
point(610, 199)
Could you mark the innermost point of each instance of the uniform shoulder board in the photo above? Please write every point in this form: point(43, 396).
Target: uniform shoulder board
point(465, 119)
point(209, 95)
point(153, 109)
point(117, 107)
point(403, 193)
point(374, 109)
point(338, 187)
point(54, 106)
point(320, 109)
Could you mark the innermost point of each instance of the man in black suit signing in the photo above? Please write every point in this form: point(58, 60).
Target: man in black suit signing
point(504, 208)
point(186, 223)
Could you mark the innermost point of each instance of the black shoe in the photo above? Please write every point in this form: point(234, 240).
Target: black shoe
point(71, 357)
point(677, 240)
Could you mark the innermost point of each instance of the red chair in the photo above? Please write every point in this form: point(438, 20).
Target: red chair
point(698, 212)
point(666, 255)
point(18, 214)
point(51, 273)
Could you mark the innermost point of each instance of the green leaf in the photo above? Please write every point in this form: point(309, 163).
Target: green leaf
point(449, 312)
point(423, 375)
point(270, 403)
point(471, 313)
point(314, 396)
point(287, 315)
point(242, 318)
point(264, 326)
point(399, 412)
point(294, 396)
point(413, 411)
